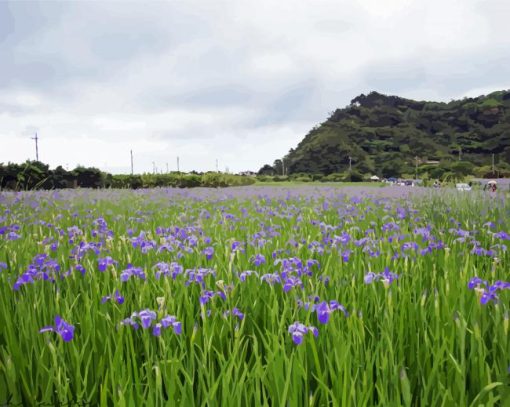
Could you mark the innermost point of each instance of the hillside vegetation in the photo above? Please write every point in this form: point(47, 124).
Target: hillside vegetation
point(390, 136)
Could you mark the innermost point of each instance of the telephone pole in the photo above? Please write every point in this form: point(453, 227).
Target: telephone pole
point(131, 151)
point(178, 164)
point(416, 168)
point(167, 168)
point(36, 146)
point(350, 163)
point(153, 167)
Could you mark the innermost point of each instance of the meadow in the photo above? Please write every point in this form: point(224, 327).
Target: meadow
point(255, 296)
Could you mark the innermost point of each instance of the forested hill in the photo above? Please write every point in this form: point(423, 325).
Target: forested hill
point(389, 135)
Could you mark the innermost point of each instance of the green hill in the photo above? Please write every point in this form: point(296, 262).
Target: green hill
point(390, 136)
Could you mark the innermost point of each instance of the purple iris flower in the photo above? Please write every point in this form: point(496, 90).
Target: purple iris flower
point(131, 271)
point(81, 269)
point(41, 268)
point(13, 236)
point(475, 282)
point(291, 282)
point(3, 266)
point(206, 296)
point(147, 316)
point(387, 277)
point(118, 298)
point(324, 310)
point(105, 262)
point(298, 330)
point(258, 260)
point(156, 330)
point(61, 327)
point(488, 293)
point(244, 274)
point(270, 278)
point(237, 247)
point(502, 235)
point(370, 277)
point(168, 269)
point(171, 321)
point(236, 312)
point(209, 252)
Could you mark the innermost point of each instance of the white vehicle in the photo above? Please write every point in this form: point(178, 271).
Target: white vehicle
point(463, 187)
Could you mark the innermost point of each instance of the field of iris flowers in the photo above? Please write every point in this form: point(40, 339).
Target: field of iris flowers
point(252, 296)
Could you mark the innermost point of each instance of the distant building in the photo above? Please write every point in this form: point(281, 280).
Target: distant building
point(248, 173)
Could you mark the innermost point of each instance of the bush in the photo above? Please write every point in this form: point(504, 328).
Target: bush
point(354, 176)
point(335, 177)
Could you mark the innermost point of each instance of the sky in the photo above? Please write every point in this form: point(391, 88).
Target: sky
point(235, 82)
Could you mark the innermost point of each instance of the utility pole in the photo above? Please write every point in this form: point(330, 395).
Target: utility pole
point(178, 164)
point(131, 151)
point(493, 171)
point(167, 168)
point(416, 168)
point(36, 146)
point(350, 163)
point(283, 167)
point(153, 167)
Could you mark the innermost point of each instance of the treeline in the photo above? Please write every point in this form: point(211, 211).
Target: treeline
point(33, 175)
point(445, 170)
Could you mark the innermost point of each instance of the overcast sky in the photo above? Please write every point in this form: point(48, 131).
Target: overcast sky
point(240, 81)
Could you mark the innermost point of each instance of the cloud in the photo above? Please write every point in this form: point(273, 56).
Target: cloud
point(241, 82)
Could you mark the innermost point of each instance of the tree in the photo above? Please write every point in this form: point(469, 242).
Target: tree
point(266, 170)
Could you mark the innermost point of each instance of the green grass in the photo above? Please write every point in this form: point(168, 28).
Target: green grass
point(423, 341)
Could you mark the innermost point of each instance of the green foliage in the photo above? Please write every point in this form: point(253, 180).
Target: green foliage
point(36, 175)
point(383, 135)
point(422, 340)
point(334, 177)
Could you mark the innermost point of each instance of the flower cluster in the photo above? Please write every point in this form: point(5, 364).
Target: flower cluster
point(41, 268)
point(387, 277)
point(132, 271)
point(146, 318)
point(172, 269)
point(487, 292)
